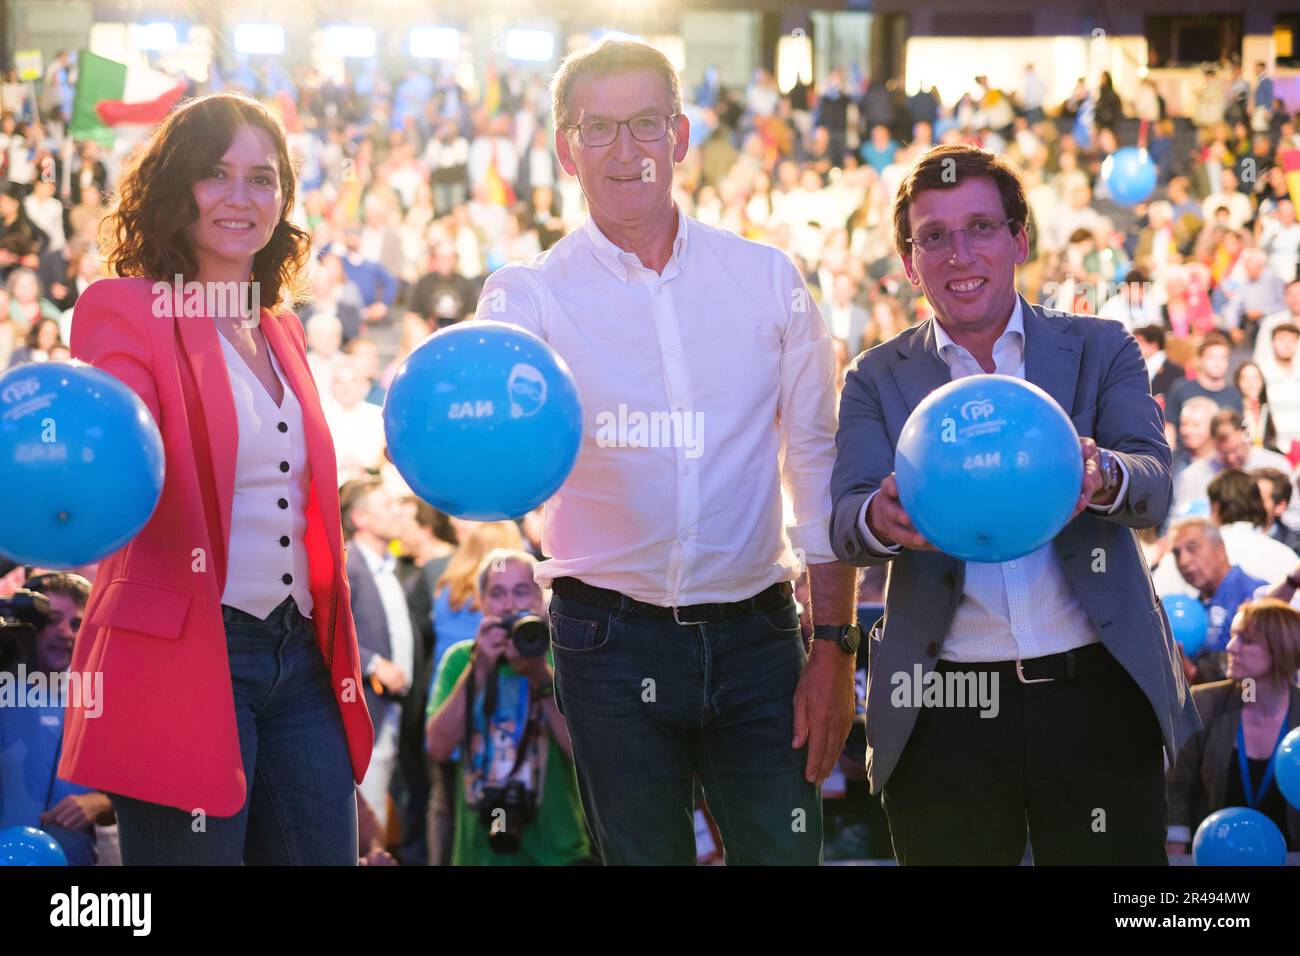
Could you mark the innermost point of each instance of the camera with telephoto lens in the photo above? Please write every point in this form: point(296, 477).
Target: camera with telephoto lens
point(505, 811)
point(23, 615)
point(530, 633)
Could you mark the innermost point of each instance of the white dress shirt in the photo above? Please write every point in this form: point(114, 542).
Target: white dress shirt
point(727, 338)
point(401, 636)
point(268, 554)
point(1011, 610)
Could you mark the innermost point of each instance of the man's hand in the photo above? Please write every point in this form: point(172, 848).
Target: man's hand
point(489, 644)
point(77, 811)
point(375, 312)
point(1092, 480)
point(823, 708)
point(377, 857)
point(390, 675)
point(890, 523)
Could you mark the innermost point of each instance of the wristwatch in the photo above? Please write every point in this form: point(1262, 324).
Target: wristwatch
point(1109, 466)
point(846, 636)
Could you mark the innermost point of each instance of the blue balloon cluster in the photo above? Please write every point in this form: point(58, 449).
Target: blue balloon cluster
point(483, 421)
point(83, 459)
point(988, 468)
point(1238, 836)
point(1188, 621)
point(27, 846)
point(1129, 175)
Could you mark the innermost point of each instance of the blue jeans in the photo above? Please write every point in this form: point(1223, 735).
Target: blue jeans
point(650, 704)
point(300, 807)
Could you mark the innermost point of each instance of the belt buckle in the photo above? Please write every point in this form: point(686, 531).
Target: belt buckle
point(1020, 673)
point(677, 618)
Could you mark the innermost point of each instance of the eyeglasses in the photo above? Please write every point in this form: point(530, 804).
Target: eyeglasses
point(646, 128)
point(978, 231)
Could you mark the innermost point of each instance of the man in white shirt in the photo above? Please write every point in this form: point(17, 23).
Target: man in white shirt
point(1282, 378)
point(677, 645)
point(1085, 674)
point(385, 636)
point(357, 425)
point(1236, 202)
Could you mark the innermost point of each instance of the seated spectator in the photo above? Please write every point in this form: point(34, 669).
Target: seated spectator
point(357, 425)
point(1259, 294)
point(365, 354)
point(43, 337)
point(1276, 490)
point(845, 319)
point(1225, 763)
point(879, 149)
point(1194, 434)
point(14, 220)
point(1202, 560)
point(1282, 376)
point(1289, 315)
point(378, 286)
point(324, 334)
point(1237, 508)
point(1256, 411)
point(1232, 450)
point(1162, 372)
point(1211, 381)
point(26, 304)
point(516, 793)
point(44, 209)
point(442, 296)
point(31, 793)
point(1133, 307)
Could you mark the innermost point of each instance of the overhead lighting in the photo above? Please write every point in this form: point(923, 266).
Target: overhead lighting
point(342, 40)
point(535, 45)
point(435, 43)
point(259, 39)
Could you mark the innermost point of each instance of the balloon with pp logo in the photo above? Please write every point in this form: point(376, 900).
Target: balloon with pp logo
point(28, 846)
point(483, 421)
point(1238, 836)
point(82, 460)
point(1286, 768)
point(1188, 621)
point(1129, 175)
point(988, 468)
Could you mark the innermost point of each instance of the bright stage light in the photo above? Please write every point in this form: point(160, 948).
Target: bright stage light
point(435, 43)
point(534, 45)
point(259, 39)
point(342, 40)
point(153, 37)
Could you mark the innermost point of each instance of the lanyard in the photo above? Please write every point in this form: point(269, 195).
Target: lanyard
point(1244, 767)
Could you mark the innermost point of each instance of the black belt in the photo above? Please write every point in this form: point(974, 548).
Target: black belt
point(1083, 661)
point(769, 599)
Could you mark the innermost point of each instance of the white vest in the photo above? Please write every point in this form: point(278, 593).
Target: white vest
point(268, 555)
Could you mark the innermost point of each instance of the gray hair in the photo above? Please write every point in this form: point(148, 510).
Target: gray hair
point(1208, 528)
point(495, 560)
point(606, 58)
point(1200, 403)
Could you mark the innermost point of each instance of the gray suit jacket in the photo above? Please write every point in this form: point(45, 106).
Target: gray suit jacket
point(1093, 369)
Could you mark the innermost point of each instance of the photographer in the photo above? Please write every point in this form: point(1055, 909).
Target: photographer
point(50, 607)
point(516, 794)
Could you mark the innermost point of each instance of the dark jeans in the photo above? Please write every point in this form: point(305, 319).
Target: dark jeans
point(650, 703)
point(1079, 763)
point(301, 802)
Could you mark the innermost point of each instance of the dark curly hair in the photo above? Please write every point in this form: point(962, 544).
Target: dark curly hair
point(143, 234)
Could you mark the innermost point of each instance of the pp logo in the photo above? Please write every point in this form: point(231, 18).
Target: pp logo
point(527, 390)
point(21, 389)
point(976, 409)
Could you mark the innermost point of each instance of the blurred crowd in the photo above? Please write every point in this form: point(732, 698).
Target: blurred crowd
point(415, 188)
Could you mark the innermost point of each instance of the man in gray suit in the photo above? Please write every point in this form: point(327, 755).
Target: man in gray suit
point(1078, 678)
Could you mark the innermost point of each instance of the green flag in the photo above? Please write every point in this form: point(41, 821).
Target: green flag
point(98, 79)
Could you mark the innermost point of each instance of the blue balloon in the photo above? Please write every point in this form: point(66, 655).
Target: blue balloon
point(1286, 769)
point(82, 456)
point(28, 846)
point(1129, 175)
point(1188, 621)
point(1238, 836)
point(988, 468)
point(483, 421)
point(1196, 508)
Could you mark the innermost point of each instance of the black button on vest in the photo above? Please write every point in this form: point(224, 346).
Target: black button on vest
point(284, 466)
point(284, 540)
point(283, 426)
point(283, 503)
point(287, 579)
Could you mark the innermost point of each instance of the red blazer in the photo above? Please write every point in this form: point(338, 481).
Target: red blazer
point(153, 627)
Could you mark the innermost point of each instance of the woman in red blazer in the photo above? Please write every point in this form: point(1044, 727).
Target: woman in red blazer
point(234, 723)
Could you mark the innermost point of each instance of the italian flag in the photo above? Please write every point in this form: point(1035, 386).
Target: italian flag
point(112, 97)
